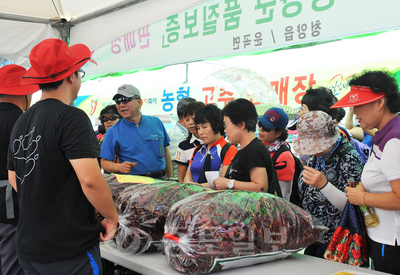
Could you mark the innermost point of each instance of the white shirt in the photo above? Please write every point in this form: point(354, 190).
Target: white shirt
point(381, 168)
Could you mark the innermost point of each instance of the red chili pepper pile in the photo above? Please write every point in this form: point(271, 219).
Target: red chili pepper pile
point(117, 186)
point(213, 226)
point(143, 210)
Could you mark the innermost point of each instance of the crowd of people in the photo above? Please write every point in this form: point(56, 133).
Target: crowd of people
point(51, 159)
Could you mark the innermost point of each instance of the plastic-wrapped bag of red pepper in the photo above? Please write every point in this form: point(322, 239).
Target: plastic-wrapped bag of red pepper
point(142, 213)
point(118, 183)
point(215, 231)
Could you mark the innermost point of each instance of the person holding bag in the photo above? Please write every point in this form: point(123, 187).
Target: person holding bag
point(331, 162)
point(376, 100)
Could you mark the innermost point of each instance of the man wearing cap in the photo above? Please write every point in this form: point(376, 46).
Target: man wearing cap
point(14, 99)
point(52, 165)
point(179, 132)
point(139, 141)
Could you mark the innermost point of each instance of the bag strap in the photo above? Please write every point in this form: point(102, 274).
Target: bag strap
point(198, 147)
point(281, 149)
point(338, 151)
point(345, 132)
point(224, 149)
point(347, 148)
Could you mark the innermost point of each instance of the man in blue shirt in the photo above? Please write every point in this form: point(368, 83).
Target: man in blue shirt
point(140, 142)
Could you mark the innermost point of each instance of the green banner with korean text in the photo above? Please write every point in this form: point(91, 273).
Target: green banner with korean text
point(230, 27)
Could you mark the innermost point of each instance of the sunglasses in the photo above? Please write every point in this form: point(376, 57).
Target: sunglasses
point(105, 118)
point(261, 127)
point(124, 100)
point(82, 73)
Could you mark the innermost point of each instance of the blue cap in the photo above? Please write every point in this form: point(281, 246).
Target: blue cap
point(293, 125)
point(274, 118)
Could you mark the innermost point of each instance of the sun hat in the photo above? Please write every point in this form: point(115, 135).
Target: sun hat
point(358, 95)
point(274, 118)
point(127, 90)
point(316, 133)
point(52, 60)
point(10, 78)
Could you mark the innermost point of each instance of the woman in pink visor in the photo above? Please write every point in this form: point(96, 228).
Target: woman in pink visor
point(376, 101)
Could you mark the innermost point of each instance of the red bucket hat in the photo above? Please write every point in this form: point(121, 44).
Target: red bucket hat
point(358, 95)
point(52, 60)
point(10, 78)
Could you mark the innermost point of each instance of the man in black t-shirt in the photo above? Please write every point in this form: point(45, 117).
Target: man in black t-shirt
point(52, 165)
point(14, 99)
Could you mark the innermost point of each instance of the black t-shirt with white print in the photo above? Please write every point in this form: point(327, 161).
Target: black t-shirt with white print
point(56, 219)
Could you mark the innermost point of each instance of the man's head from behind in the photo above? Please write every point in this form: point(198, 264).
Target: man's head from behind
point(182, 104)
point(52, 61)
point(10, 78)
point(320, 99)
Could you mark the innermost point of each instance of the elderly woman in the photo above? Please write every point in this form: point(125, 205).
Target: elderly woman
point(185, 148)
point(252, 168)
point(216, 154)
point(272, 131)
point(376, 101)
point(331, 162)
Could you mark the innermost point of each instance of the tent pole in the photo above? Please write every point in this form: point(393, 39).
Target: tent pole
point(187, 74)
point(64, 27)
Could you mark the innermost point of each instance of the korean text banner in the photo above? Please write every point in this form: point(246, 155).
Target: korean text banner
point(229, 27)
point(161, 99)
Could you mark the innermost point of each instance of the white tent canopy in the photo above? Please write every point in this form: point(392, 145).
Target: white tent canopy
point(94, 23)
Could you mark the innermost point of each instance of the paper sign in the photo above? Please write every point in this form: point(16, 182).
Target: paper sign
point(211, 176)
point(350, 272)
point(134, 179)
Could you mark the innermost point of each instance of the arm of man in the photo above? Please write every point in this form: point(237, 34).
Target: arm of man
point(119, 168)
point(12, 180)
point(168, 168)
point(98, 193)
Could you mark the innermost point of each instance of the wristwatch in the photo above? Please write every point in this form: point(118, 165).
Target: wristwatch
point(231, 184)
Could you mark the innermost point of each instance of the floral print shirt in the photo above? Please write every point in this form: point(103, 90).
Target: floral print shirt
point(315, 202)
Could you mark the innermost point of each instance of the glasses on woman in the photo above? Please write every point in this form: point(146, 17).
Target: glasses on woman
point(123, 100)
point(225, 126)
point(261, 127)
point(105, 118)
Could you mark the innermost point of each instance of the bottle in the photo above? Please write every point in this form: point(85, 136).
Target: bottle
point(371, 219)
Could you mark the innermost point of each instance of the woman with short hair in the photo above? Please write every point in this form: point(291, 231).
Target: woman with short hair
point(209, 157)
point(252, 167)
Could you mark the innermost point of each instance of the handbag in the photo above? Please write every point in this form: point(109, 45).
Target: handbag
point(349, 242)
